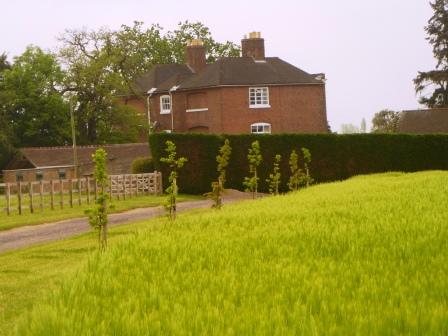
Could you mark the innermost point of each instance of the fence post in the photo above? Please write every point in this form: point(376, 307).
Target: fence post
point(61, 192)
point(19, 196)
point(30, 193)
point(8, 199)
point(79, 191)
point(52, 194)
point(41, 191)
point(124, 187)
point(88, 189)
point(159, 183)
point(110, 187)
point(70, 189)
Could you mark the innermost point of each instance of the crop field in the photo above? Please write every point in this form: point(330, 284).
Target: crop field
point(368, 256)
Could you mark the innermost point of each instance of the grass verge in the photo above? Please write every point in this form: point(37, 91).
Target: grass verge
point(48, 216)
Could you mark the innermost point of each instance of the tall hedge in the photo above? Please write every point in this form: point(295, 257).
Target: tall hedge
point(334, 157)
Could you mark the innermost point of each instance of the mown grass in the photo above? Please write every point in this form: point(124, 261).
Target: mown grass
point(48, 215)
point(363, 257)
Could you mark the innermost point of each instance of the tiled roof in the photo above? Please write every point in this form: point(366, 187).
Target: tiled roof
point(119, 157)
point(226, 71)
point(424, 121)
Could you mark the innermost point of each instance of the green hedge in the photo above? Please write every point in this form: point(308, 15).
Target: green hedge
point(142, 165)
point(334, 157)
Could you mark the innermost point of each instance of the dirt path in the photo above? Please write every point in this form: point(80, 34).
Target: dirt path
point(38, 234)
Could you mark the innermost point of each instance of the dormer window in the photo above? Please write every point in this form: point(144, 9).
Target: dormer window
point(165, 104)
point(260, 128)
point(259, 97)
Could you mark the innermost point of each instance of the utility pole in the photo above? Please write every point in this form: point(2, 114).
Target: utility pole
point(75, 150)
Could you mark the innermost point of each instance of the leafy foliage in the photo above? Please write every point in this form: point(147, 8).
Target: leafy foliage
point(306, 179)
point(98, 215)
point(436, 80)
point(296, 173)
point(335, 157)
point(142, 165)
point(254, 157)
point(174, 164)
point(385, 121)
point(274, 178)
point(32, 109)
point(103, 64)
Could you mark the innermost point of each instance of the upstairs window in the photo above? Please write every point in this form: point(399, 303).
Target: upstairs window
point(19, 177)
point(259, 97)
point(165, 104)
point(260, 128)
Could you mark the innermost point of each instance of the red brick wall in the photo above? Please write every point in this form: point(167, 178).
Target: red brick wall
point(299, 108)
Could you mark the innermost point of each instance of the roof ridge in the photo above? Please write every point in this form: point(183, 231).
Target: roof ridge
point(83, 146)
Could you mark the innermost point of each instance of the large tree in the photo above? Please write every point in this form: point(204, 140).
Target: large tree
point(385, 121)
point(436, 81)
point(31, 105)
point(102, 65)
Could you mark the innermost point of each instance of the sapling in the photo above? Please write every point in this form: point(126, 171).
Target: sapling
point(307, 179)
point(218, 186)
point(98, 215)
point(254, 157)
point(296, 173)
point(275, 176)
point(172, 190)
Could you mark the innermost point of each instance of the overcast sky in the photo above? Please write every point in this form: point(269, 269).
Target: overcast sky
point(370, 50)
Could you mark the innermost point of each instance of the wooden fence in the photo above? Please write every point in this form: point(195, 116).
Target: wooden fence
point(54, 194)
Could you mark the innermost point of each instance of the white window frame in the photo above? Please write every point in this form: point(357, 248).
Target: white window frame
point(260, 128)
point(164, 104)
point(259, 102)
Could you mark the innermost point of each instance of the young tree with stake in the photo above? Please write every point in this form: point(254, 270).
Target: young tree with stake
point(275, 176)
point(254, 157)
point(218, 186)
point(98, 215)
point(175, 164)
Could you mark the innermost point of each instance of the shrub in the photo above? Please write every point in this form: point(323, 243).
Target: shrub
point(142, 165)
point(335, 157)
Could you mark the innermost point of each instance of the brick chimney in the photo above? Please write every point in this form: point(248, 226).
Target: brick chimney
point(253, 46)
point(196, 55)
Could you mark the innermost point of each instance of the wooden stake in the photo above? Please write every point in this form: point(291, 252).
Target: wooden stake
point(61, 191)
point(52, 194)
point(41, 192)
point(30, 193)
point(70, 188)
point(88, 189)
point(19, 196)
point(8, 199)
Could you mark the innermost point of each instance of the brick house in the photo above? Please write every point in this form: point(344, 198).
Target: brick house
point(252, 93)
point(52, 163)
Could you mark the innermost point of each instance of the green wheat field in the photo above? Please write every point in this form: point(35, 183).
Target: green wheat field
point(368, 256)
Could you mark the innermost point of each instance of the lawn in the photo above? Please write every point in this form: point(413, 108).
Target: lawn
point(48, 215)
point(367, 256)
